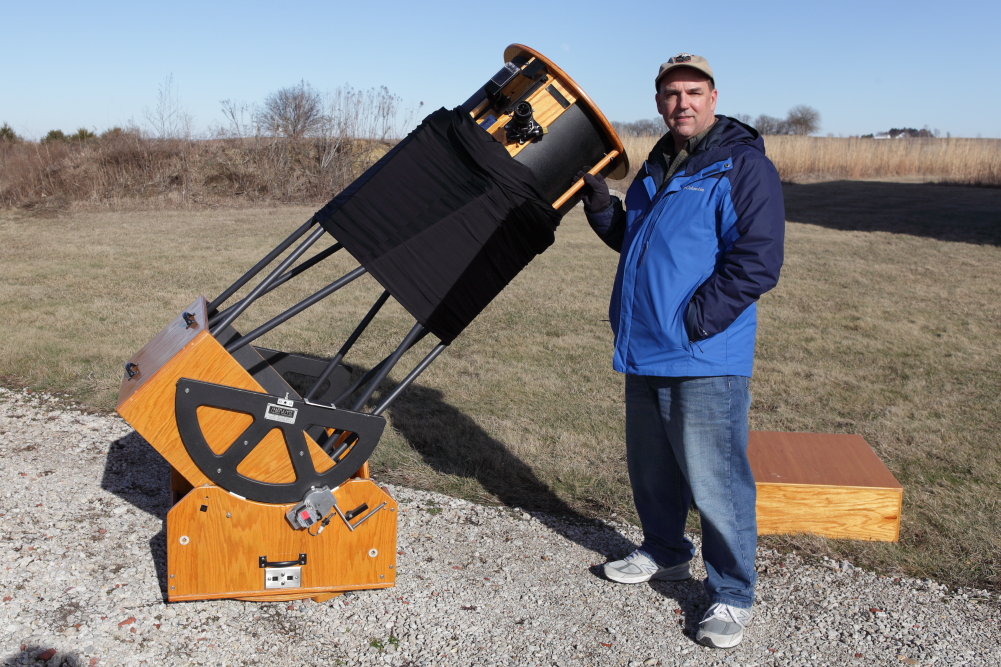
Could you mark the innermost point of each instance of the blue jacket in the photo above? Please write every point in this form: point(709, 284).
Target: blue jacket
point(696, 254)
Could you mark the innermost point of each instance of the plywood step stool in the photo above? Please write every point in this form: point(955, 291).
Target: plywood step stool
point(828, 484)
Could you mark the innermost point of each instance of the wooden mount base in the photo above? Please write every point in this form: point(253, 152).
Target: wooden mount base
point(827, 484)
point(215, 542)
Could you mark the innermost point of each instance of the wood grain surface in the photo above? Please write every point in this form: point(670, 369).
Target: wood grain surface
point(544, 106)
point(219, 557)
point(827, 484)
point(836, 459)
point(580, 183)
point(149, 409)
point(578, 94)
point(832, 511)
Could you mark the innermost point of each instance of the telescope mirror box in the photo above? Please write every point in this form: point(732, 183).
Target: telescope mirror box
point(268, 449)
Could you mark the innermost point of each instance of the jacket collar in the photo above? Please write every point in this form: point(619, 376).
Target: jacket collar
point(718, 144)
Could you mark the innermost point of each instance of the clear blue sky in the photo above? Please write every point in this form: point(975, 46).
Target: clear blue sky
point(866, 66)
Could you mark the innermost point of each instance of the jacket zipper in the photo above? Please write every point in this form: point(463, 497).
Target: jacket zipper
point(651, 228)
point(649, 232)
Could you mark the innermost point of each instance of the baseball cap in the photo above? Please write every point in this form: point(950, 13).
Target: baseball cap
point(684, 60)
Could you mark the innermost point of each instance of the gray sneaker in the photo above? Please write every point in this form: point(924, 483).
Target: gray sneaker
point(637, 567)
point(723, 626)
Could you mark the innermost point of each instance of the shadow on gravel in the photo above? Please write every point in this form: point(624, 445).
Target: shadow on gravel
point(453, 444)
point(137, 474)
point(448, 440)
point(31, 655)
point(689, 595)
point(945, 212)
point(692, 602)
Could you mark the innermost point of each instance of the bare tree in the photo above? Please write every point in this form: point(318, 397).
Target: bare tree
point(802, 120)
point(168, 119)
point(648, 127)
point(293, 112)
point(240, 117)
point(770, 125)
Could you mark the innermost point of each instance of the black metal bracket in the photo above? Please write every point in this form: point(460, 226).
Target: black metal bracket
point(131, 369)
point(189, 319)
point(301, 372)
point(269, 412)
point(264, 562)
point(494, 87)
point(350, 514)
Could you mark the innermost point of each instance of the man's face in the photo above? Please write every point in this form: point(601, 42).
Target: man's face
point(686, 103)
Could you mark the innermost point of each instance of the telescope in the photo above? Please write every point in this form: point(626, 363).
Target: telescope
point(272, 498)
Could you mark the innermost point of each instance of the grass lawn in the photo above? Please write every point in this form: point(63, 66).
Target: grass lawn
point(885, 323)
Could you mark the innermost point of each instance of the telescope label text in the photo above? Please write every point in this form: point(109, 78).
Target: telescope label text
point(279, 413)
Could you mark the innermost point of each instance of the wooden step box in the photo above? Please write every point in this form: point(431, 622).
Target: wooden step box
point(827, 484)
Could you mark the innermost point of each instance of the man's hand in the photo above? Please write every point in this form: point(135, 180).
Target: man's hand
point(596, 197)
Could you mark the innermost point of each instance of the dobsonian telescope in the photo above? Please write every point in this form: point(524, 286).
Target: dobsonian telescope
point(272, 497)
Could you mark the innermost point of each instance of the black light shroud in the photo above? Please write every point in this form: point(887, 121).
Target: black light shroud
point(444, 221)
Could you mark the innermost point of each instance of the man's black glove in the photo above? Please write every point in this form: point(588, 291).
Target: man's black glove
point(596, 197)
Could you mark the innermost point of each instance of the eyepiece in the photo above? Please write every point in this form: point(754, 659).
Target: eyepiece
point(522, 116)
point(523, 126)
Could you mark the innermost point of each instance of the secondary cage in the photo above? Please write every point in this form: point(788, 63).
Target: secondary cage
point(260, 437)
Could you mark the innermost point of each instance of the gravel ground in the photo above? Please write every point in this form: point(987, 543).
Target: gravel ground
point(82, 509)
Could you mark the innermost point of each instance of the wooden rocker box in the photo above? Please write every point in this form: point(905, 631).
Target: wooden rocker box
point(827, 484)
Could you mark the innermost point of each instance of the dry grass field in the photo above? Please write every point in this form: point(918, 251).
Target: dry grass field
point(810, 159)
point(885, 323)
point(129, 171)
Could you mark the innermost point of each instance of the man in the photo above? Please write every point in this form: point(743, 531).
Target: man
point(700, 240)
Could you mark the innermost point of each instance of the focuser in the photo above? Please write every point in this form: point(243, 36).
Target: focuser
point(523, 127)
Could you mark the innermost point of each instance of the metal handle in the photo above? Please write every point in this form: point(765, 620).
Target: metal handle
point(347, 521)
point(264, 562)
point(579, 184)
point(350, 514)
point(131, 369)
point(189, 319)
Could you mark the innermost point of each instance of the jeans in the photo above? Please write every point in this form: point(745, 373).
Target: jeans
point(686, 438)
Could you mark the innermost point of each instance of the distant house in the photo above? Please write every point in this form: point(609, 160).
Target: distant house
point(902, 133)
point(909, 133)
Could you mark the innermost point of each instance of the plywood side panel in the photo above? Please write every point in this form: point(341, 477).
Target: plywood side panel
point(150, 410)
point(221, 427)
point(861, 513)
point(215, 553)
point(269, 462)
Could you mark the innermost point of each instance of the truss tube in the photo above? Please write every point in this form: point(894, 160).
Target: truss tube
point(407, 381)
point(285, 277)
point(238, 309)
point(415, 334)
point(332, 364)
point(367, 376)
point(295, 310)
point(270, 257)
